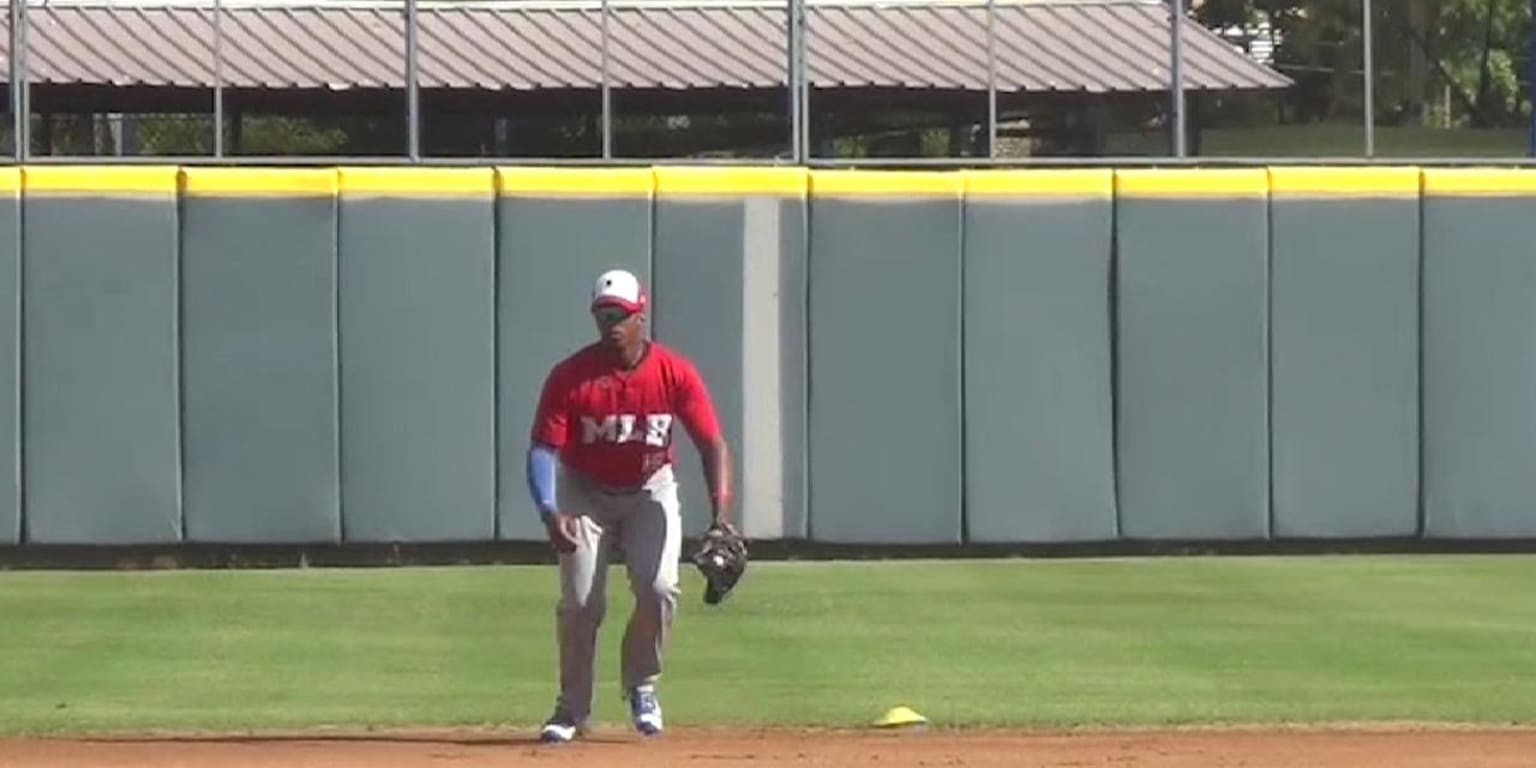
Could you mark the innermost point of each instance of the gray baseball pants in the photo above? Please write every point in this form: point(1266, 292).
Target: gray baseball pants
point(647, 526)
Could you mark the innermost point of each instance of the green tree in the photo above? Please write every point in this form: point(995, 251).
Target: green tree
point(1477, 50)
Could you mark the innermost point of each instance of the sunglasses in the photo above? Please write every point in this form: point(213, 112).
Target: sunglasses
point(610, 315)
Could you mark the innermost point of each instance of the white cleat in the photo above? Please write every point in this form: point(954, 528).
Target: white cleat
point(560, 729)
point(645, 710)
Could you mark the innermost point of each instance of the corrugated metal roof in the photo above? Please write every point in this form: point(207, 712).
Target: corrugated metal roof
point(1089, 45)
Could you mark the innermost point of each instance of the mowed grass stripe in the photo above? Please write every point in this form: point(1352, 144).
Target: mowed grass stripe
point(1040, 643)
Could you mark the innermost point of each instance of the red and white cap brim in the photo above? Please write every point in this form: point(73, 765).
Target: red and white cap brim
point(614, 301)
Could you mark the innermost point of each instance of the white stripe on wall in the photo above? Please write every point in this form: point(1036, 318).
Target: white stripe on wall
point(762, 460)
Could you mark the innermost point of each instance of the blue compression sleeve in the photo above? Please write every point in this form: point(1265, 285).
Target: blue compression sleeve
point(541, 478)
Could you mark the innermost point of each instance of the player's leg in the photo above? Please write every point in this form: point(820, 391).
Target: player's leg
point(651, 534)
point(579, 614)
point(583, 604)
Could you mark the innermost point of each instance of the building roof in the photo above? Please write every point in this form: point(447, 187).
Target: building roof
point(1095, 46)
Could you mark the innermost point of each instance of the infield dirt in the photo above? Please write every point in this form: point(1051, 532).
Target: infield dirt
point(1363, 747)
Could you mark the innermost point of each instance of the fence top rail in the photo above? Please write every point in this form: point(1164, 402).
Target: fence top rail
point(937, 163)
point(564, 4)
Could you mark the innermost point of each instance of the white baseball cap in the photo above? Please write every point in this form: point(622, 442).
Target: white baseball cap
point(620, 288)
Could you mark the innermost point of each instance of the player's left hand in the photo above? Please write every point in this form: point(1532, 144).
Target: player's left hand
point(562, 531)
point(721, 559)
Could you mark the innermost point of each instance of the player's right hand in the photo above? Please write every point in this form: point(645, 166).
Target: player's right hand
point(563, 531)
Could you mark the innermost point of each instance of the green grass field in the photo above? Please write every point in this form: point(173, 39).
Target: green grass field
point(1020, 642)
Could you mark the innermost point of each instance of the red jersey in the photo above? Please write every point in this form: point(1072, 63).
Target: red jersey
point(615, 425)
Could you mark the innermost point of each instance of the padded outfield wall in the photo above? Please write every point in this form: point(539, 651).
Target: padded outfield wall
point(326, 355)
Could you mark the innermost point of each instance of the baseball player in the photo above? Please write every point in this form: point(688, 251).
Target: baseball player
point(600, 470)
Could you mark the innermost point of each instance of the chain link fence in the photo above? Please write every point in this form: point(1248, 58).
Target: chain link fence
point(1367, 79)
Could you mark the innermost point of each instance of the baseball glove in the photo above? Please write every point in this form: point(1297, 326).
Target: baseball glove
point(722, 559)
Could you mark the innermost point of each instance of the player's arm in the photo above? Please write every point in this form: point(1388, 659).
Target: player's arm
point(541, 478)
point(717, 476)
point(696, 409)
point(550, 425)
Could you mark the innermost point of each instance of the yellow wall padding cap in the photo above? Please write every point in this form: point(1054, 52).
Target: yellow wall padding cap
point(259, 182)
point(100, 180)
point(418, 182)
point(1325, 182)
point(724, 181)
point(1058, 182)
point(857, 183)
point(1480, 182)
point(1192, 182)
point(529, 181)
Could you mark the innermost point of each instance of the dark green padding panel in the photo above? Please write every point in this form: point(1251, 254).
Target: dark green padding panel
point(100, 413)
point(730, 271)
point(259, 364)
point(418, 410)
point(1479, 364)
point(555, 233)
point(1192, 369)
point(10, 358)
point(1345, 361)
point(884, 364)
point(1039, 426)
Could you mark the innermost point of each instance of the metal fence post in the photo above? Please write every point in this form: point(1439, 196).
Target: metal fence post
point(607, 126)
point(1531, 80)
point(805, 80)
point(412, 96)
point(218, 79)
point(991, 78)
point(1177, 71)
point(21, 107)
point(796, 13)
point(1367, 23)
